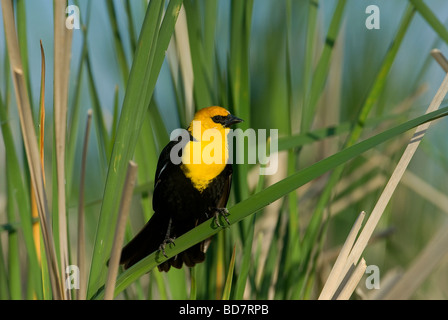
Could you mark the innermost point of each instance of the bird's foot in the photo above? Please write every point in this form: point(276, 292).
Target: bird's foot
point(162, 246)
point(221, 212)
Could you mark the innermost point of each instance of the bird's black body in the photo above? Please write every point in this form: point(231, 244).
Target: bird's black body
point(178, 207)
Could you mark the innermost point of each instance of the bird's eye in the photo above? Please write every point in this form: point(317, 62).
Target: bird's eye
point(218, 119)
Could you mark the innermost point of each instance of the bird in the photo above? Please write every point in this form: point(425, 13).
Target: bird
point(192, 184)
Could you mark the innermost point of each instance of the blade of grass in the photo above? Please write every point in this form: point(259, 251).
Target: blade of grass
point(177, 284)
point(160, 134)
point(292, 242)
point(101, 132)
point(119, 49)
point(115, 117)
point(313, 6)
point(4, 285)
point(41, 126)
point(30, 142)
point(62, 54)
point(292, 197)
point(143, 77)
point(131, 28)
point(161, 285)
point(380, 206)
point(239, 87)
point(35, 215)
point(73, 121)
point(125, 206)
point(302, 139)
point(23, 44)
point(246, 261)
point(228, 285)
point(209, 37)
point(247, 250)
point(82, 291)
point(21, 197)
point(15, 285)
point(377, 211)
point(321, 73)
point(203, 94)
point(241, 12)
point(219, 270)
point(146, 156)
point(431, 18)
point(313, 229)
point(39, 188)
point(181, 67)
point(6, 79)
point(193, 287)
point(147, 40)
point(267, 272)
point(259, 200)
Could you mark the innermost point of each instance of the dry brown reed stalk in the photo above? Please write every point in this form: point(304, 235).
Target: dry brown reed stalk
point(330, 255)
point(179, 58)
point(336, 275)
point(30, 143)
point(397, 174)
point(82, 292)
point(351, 281)
point(373, 162)
point(437, 248)
point(62, 49)
point(125, 205)
point(440, 58)
point(367, 231)
point(308, 192)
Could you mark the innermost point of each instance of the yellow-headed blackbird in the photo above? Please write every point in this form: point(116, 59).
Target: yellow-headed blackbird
point(189, 191)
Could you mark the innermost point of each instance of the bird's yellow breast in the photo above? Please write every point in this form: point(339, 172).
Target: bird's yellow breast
point(204, 159)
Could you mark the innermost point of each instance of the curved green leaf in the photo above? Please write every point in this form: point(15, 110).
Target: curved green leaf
point(263, 198)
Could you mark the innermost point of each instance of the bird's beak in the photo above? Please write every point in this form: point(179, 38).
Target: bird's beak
point(231, 120)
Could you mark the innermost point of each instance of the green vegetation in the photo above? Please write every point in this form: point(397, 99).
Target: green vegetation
point(345, 100)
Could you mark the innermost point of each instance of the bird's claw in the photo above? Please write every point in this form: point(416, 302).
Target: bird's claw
point(221, 212)
point(162, 246)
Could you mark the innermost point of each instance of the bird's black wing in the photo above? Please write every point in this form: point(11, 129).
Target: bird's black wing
point(228, 172)
point(154, 232)
point(165, 165)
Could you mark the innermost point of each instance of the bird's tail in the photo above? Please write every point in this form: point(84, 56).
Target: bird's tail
point(189, 257)
point(152, 236)
point(145, 242)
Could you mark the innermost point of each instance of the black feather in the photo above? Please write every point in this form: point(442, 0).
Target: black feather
point(177, 199)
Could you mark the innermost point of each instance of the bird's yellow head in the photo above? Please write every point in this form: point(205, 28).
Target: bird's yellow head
point(213, 118)
point(206, 156)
